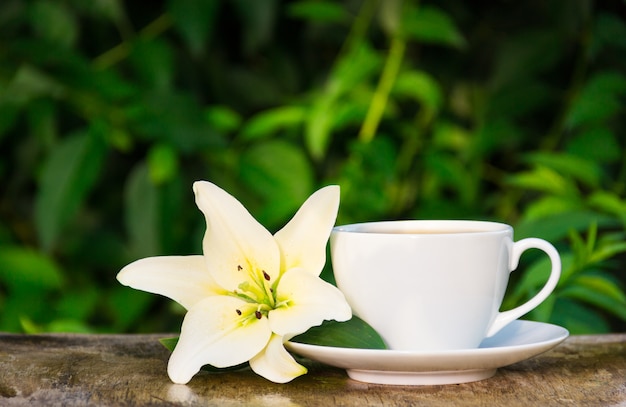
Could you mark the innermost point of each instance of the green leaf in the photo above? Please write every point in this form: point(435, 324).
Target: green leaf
point(354, 333)
point(577, 318)
point(350, 113)
point(23, 270)
point(420, 86)
point(169, 343)
point(222, 118)
point(281, 174)
point(449, 136)
point(598, 144)
point(141, 214)
point(28, 326)
point(258, 19)
point(194, 20)
point(153, 62)
point(577, 167)
point(543, 179)
point(354, 69)
point(489, 137)
point(559, 225)
point(319, 125)
point(547, 206)
point(30, 83)
point(599, 291)
point(109, 9)
point(448, 171)
point(68, 325)
point(609, 246)
point(120, 139)
point(54, 22)
point(174, 118)
point(608, 202)
point(316, 10)
point(368, 176)
point(600, 99)
point(431, 25)
point(78, 303)
point(271, 121)
point(609, 31)
point(128, 306)
point(68, 175)
point(162, 163)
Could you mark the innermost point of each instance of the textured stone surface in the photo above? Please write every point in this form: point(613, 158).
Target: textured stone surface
point(119, 370)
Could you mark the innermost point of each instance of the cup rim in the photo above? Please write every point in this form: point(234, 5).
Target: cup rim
point(448, 227)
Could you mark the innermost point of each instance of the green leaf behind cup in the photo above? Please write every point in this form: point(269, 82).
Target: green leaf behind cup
point(354, 333)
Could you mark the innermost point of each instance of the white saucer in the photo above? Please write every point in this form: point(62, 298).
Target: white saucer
point(517, 341)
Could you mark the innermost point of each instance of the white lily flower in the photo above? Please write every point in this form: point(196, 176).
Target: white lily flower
point(249, 291)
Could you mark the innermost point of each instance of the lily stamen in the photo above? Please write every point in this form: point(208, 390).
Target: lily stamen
point(285, 303)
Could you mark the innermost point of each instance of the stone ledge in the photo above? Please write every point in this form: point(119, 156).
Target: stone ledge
point(124, 370)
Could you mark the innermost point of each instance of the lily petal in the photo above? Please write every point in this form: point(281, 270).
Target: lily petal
point(184, 279)
point(234, 243)
point(303, 240)
point(275, 363)
point(214, 333)
point(311, 300)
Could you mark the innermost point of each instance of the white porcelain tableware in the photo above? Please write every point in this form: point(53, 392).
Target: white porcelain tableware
point(433, 285)
point(517, 341)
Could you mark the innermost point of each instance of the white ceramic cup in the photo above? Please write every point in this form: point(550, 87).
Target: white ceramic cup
point(433, 285)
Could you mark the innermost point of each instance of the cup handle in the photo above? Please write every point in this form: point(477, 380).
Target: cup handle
point(504, 318)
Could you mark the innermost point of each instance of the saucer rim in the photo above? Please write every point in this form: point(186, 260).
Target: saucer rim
point(564, 334)
point(488, 357)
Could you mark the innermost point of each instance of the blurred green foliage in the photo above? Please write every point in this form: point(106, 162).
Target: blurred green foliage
point(109, 110)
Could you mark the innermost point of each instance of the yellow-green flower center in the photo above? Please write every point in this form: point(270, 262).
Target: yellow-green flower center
point(259, 291)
